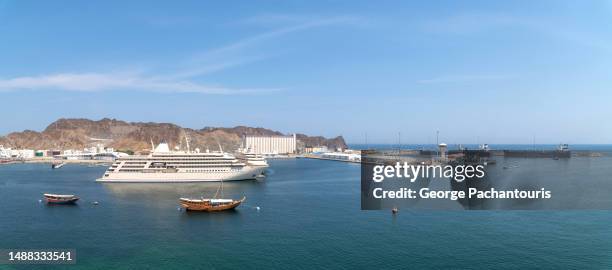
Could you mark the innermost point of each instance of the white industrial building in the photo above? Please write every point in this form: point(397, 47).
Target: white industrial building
point(22, 153)
point(355, 157)
point(270, 145)
point(5, 152)
point(95, 153)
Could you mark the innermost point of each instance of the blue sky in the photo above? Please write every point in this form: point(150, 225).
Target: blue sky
point(477, 71)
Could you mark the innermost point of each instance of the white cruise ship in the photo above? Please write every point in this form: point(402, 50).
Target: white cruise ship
point(165, 166)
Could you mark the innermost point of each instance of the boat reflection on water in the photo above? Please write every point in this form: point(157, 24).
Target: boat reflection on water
point(173, 191)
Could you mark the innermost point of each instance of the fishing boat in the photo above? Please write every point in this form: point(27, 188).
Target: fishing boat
point(210, 205)
point(214, 204)
point(60, 199)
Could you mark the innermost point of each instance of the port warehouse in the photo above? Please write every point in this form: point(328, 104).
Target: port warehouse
point(287, 145)
point(270, 144)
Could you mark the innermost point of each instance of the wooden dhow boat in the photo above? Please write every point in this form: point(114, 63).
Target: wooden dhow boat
point(60, 199)
point(210, 205)
point(214, 204)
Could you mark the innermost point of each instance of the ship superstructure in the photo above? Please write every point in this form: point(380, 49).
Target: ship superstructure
point(165, 166)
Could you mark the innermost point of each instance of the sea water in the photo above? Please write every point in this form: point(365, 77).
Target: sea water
point(304, 215)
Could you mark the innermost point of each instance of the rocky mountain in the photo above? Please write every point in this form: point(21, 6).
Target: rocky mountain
point(137, 136)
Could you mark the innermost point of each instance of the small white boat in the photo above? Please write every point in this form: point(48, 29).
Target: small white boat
point(57, 165)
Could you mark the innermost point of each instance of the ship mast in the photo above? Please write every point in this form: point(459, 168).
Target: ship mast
point(219, 144)
point(187, 142)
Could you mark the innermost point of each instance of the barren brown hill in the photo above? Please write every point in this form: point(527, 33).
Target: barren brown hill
point(137, 136)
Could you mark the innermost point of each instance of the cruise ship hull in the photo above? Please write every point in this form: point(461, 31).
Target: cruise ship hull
point(246, 173)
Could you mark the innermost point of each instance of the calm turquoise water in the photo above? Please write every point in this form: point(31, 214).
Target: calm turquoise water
point(309, 218)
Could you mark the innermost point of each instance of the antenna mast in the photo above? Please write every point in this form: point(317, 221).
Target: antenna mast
point(187, 142)
point(437, 143)
point(219, 144)
point(399, 144)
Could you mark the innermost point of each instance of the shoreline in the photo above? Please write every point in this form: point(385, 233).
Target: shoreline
point(52, 160)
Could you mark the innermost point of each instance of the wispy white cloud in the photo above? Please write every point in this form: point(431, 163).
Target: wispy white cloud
point(91, 82)
point(302, 24)
point(199, 67)
point(239, 53)
point(465, 79)
point(183, 76)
